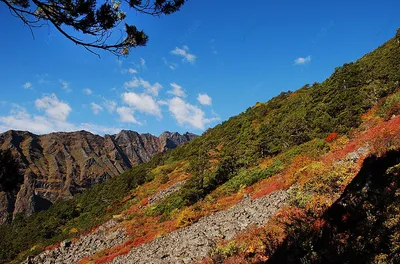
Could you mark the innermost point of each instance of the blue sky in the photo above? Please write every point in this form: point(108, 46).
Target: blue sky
point(202, 65)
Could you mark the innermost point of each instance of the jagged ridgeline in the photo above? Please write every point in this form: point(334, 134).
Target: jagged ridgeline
point(57, 166)
point(222, 154)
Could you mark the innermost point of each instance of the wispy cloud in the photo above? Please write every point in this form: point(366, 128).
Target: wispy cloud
point(128, 70)
point(170, 65)
point(87, 91)
point(110, 105)
point(149, 88)
point(65, 85)
point(302, 61)
point(43, 78)
point(96, 109)
point(204, 99)
point(27, 85)
point(213, 49)
point(176, 90)
point(184, 52)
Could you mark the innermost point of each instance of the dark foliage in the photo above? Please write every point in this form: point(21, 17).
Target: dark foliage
point(10, 177)
point(95, 19)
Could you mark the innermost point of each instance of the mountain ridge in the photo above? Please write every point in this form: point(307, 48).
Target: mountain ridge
point(60, 164)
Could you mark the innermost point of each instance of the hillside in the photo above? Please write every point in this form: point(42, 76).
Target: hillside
point(59, 165)
point(285, 161)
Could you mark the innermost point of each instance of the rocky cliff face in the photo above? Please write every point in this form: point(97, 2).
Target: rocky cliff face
point(59, 165)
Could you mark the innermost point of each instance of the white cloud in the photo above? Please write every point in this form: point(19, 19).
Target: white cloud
point(151, 89)
point(204, 99)
point(184, 52)
point(301, 61)
point(64, 85)
point(126, 115)
point(20, 119)
point(187, 114)
point(142, 62)
point(176, 90)
point(27, 85)
point(97, 129)
point(142, 102)
point(55, 109)
point(132, 71)
point(87, 91)
point(110, 105)
point(96, 109)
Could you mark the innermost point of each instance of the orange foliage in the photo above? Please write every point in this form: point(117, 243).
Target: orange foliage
point(332, 136)
point(220, 146)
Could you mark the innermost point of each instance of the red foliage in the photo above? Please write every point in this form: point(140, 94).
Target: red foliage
point(267, 189)
point(332, 136)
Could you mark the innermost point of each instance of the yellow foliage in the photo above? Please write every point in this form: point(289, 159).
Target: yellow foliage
point(339, 143)
point(187, 217)
point(74, 230)
point(33, 248)
point(317, 205)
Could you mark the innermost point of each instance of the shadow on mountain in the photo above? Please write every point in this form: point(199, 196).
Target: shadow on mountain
point(362, 226)
point(40, 203)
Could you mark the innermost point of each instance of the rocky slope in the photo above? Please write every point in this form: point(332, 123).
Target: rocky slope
point(185, 245)
point(59, 165)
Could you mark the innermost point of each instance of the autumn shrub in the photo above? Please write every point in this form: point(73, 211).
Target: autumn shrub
point(226, 250)
point(187, 216)
point(299, 198)
point(332, 136)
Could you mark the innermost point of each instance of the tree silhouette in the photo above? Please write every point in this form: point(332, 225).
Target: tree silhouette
point(93, 18)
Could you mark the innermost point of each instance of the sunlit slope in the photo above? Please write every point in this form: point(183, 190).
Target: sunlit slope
point(258, 144)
